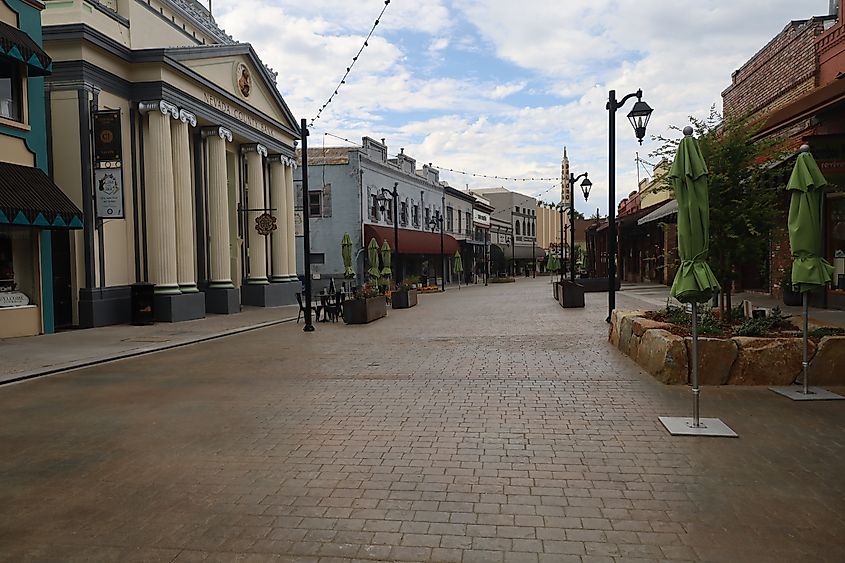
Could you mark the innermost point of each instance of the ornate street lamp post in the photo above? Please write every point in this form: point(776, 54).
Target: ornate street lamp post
point(638, 116)
point(432, 224)
point(382, 199)
point(586, 184)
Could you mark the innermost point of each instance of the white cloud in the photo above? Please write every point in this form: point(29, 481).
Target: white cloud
point(680, 53)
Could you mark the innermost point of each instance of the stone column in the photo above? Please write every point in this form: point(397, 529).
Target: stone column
point(160, 197)
point(257, 271)
point(185, 255)
point(218, 208)
point(291, 236)
point(279, 237)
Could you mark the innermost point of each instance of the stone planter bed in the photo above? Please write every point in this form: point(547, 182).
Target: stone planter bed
point(363, 311)
point(664, 351)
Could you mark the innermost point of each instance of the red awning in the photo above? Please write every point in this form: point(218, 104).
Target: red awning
point(411, 242)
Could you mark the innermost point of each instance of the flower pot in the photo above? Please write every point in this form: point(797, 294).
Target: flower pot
point(791, 298)
point(362, 311)
point(572, 295)
point(403, 299)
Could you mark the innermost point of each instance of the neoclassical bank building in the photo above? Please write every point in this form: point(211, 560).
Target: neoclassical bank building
point(176, 145)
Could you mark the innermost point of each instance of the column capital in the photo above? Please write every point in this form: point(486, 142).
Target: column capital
point(187, 117)
point(254, 147)
point(221, 132)
point(282, 159)
point(165, 107)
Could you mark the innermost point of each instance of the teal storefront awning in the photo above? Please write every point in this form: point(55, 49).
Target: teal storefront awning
point(29, 198)
point(16, 44)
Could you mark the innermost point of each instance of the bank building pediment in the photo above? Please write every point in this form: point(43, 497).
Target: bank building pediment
point(238, 72)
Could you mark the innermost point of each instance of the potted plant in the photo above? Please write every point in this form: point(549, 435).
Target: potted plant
point(366, 306)
point(790, 296)
point(405, 296)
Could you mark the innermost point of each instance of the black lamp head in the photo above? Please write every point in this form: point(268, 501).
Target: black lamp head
point(586, 185)
point(639, 116)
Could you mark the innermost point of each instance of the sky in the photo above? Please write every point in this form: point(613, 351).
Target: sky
point(499, 87)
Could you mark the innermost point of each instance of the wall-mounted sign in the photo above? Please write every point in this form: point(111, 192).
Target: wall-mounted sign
point(480, 218)
point(297, 224)
point(107, 136)
point(265, 224)
point(108, 192)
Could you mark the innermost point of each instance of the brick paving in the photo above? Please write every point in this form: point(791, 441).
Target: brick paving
point(486, 424)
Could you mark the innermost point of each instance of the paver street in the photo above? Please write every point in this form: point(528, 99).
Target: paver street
point(486, 424)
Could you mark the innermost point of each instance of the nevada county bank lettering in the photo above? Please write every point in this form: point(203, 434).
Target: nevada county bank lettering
point(238, 114)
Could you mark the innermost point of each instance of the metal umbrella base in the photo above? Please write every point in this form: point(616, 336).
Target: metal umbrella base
point(695, 425)
point(804, 392)
point(685, 426)
point(797, 393)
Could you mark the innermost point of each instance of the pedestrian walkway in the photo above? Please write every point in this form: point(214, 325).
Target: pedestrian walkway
point(31, 356)
point(488, 425)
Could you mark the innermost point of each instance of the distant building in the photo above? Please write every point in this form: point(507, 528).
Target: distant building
point(348, 192)
point(521, 212)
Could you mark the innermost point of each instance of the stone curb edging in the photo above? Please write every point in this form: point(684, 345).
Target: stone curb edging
point(53, 370)
point(740, 360)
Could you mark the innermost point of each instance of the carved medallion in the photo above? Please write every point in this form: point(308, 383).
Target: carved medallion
point(265, 224)
point(243, 79)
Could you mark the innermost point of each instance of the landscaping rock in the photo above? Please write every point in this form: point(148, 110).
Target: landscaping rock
point(767, 361)
point(715, 358)
point(642, 324)
point(623, 326)
point(827, 366)
point(663, 355)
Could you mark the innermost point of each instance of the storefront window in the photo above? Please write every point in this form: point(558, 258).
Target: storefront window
point(7, 266)
point(18, 265)
point(836, 240)
point(10, 90)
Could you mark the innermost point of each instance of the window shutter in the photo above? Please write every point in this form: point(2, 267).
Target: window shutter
point(327, 200)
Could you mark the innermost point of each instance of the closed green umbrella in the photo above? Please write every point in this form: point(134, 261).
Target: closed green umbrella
point(459, 266)
point(694, 281)
point(386, 272)
point(372, 254)
point(809, 270)
point(346, 252)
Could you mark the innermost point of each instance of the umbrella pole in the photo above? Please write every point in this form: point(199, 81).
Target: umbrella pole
point(804, 363)
point(696, 391)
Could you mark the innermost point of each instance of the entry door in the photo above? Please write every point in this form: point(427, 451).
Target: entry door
point(62, 290)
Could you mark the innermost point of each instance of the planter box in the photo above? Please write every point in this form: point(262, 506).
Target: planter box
point(362, 311)
point(403, 299)
point(572, 295)
point(792, 298)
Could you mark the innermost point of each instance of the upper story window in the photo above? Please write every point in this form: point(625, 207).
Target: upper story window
point(403, 213)
point(450, 219)
point(427, 215)
point(517, 227)
point(459, 221)
point(374, 211)
point(415, 215)
point(11, 90)
point(315, 204)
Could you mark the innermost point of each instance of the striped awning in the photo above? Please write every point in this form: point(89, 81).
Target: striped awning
point(29, 198)
point(16, 44)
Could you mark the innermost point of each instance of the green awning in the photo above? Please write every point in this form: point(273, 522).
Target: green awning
point(16, 44)
point(29, 198)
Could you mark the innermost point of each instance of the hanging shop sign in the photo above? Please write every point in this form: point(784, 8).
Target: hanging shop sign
point(108, 192)
point(265, 224)
point(107, 136)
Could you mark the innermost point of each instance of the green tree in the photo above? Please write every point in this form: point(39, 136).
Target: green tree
point(743, 193)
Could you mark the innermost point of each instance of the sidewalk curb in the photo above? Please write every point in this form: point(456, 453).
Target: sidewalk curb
point(24, 376)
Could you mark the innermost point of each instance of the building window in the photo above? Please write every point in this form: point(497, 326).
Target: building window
point(374, 208)
point(468, 216)
point(450, 219)
point(7, 265)
point(318, 258)
point(315, 204)
point(388, 210)
point(403, 213)
point(11, 81)
point(459, 221)
point(427, 216)
point(416, 215)
point(517, 227)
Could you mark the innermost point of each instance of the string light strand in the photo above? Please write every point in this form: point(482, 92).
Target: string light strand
point(351, 65)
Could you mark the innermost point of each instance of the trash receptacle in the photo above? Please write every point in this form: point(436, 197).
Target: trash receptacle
point(142, 296)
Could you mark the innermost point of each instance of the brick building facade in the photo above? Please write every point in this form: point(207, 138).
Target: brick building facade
point(794, 88)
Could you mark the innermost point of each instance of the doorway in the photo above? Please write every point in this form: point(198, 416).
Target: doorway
point(62, 280)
